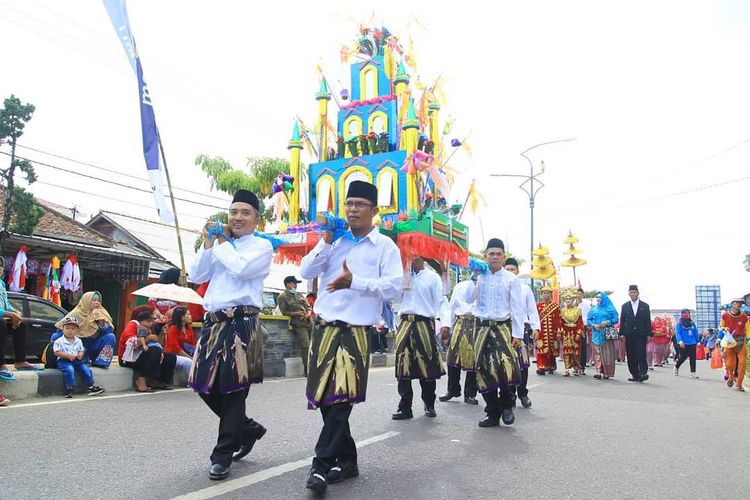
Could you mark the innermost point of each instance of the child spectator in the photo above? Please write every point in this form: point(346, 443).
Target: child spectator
point(69, 351)
point(145, 322)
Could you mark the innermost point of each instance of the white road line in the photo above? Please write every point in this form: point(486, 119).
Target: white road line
point(256, 477)
point(84, 399)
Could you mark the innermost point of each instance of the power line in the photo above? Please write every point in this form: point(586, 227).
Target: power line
point(114, 171)
point(109, 182)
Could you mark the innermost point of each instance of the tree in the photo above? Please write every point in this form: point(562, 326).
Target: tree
point(13, 119)
point(261, 175)
point(23, 203)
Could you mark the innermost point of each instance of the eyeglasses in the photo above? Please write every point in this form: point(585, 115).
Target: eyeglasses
point(357, 204)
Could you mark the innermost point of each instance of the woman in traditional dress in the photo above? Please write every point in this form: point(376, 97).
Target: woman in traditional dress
point(572, 330)
point(602, 319)
point(96, 330)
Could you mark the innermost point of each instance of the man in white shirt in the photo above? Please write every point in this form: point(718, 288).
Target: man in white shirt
point(417, 355)
point(461, 347)
point(229, 353)
point(531, 328)
point(498, 307)
point(357, 273)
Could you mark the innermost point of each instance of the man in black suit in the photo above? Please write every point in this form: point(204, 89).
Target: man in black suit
point(635, 326)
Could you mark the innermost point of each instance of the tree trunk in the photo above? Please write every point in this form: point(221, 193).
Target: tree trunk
point(8, 195)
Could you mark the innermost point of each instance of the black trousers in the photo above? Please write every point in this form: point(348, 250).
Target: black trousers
point(584, 353)
point(687, 352)
point(521, 391)
point(454, 382)
point(335, 443)
point(635, 350)
point(152, 365)
point(378, 341)
point(407, 394)
point(19, 341)
point(496, 403)
point(235, 428)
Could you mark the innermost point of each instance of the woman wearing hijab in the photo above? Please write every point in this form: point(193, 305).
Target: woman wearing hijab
point(96, 330)
point(687, 337)
point(154, 369)
point(602, 318)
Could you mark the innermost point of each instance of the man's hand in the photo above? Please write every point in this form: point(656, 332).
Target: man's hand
point(80, 355)
point(344, 280)
point(328, 237)
point(517, 342)
point(682, 345)
point(145, 347)
point(152, 337)
point(15, 319)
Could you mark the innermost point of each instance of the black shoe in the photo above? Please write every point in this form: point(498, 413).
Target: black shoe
point(448, 396)
point(402, 415)
point(508, 417)
point(68, 394)
point(341, 472)
point(470, 400)
point(632, 379)
point(316, 481)
point(541, 372)
point(95, 390)
point(489, 422)
point(643, 378)
point(218, 472)
point(248, 447)
point(525, 402)
point(430, 412)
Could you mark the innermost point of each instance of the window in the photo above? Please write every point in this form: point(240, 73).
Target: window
point(368, 81)
point(387, 191)
point(40, 310)
point(352, 127)
point(17, 304)
point(351, 174)
point(378, 122)
point(325, 194)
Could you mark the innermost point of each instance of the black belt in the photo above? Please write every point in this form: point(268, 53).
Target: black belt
point(414, 317)
point(232, 312)
point(493, 322)
point(340, 324)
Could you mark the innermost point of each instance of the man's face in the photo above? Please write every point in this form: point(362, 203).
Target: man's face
point(243, 218)
point(360, 212)
point(736, 305)
point(290, 284)
point(547, 296)
point(511, 268)
point(417, 264)
point(495, 258)
point(633, 295)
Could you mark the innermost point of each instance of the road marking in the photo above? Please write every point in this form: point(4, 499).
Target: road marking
point(256, 477)
point(534, 385)
point(83, 399)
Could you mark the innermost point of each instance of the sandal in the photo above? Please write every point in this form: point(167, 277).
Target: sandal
point(738, 388)
point(148, 389)
point(7, 375)
point(598, 376)
point(566, 373)
point(31, 368)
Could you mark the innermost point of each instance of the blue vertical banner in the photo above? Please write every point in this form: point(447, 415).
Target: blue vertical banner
point(118, 14)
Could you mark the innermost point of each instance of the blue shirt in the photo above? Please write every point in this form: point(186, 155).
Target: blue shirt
point(688, 336)
point(4, 301)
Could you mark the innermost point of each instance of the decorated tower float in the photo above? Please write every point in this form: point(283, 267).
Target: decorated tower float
point(385, 134)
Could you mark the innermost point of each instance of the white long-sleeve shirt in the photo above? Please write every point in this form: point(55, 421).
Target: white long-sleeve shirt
point(458, 303)
point(425, 295)
point(377, 277)
point(529, 306)
point(236, 274)
point(498, 297)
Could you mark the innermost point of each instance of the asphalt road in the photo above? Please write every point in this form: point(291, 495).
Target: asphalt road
point(671, 437)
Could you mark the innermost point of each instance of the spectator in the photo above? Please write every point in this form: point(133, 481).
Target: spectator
point(163, 307)
point(711, 337)
point(298, 309)
point(145, 338)
point(687, 337)
point(148, 364)
point(379, 342)
point(96, 329)
point(70, 352)
point(11, 321)
point(180, 339)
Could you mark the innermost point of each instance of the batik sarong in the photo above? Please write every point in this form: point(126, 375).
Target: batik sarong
point(229, 351)
point(338, 363)
point(461, 348)
point(417, 355)
point(495, 358)
point(604, 358)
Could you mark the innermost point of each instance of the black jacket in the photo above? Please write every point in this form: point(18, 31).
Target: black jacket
point(638, 325)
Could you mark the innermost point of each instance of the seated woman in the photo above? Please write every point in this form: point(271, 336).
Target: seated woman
point(153, 369)
point(96, 330)
point(181, 339)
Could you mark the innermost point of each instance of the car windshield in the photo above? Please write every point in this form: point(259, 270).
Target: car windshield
point(40, 310)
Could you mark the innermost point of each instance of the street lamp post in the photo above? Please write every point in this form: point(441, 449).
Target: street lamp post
point(531, 186)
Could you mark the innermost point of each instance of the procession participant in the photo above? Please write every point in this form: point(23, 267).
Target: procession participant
point(416, 348)
point(586, 351)
point(635, 327)
point(530, 328)
point(460, 354)
point(735, 322)
point(572, 331)
point(688, 339)
point(660, 340)
point(498, 302)
point(229, 352)
point(357, 274)
point(546, 340)
point(295, 306)
point(602, 318)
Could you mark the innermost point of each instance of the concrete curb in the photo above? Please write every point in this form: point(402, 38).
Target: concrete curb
point(31, 384)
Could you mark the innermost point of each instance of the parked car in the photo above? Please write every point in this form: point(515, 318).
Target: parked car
point(40, 317)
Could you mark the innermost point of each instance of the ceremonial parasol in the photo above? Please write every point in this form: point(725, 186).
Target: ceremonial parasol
point(171, 292)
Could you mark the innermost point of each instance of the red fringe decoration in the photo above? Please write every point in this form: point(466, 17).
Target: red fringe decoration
point(414, 243)
point(293, 252)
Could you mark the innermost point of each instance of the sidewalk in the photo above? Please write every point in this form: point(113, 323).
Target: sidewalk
point(32, 384)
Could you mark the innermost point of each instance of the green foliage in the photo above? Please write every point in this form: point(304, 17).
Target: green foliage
point(13, 118)
point(27, 210)
point(592, 293)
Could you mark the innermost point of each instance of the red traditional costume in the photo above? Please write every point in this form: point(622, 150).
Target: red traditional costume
point(546, 342)
point(571, 325)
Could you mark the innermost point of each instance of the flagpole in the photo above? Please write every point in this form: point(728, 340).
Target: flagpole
point(183, 274)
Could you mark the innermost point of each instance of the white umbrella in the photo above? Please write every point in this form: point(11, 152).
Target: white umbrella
point(171, 292)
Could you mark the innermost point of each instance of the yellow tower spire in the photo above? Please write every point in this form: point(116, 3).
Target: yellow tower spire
point(323, 96)
point(295, 147)
point(410, 141)
point(433, 109)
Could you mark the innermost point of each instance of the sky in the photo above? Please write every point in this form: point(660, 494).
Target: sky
point(654, 92)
